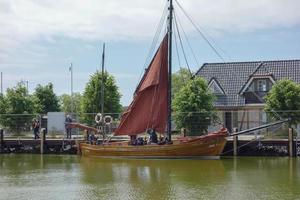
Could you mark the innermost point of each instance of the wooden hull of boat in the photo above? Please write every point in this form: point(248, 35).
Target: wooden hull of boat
point(210, 146)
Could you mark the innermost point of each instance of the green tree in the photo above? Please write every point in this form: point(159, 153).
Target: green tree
point(179, 79)
point(65, 102)
point(91, 98)
point(18, 110)
point(45, 99)
point(193, 107)
point(2, 104)
point(284, 100)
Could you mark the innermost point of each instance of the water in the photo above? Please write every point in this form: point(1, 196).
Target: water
point(72, 177)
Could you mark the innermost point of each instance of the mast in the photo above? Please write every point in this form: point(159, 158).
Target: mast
point(170, 19)
point(102, 80)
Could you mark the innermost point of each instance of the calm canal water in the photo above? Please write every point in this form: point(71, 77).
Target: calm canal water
point(72, 177)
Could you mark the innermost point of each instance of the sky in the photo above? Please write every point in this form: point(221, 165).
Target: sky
point(40, 38)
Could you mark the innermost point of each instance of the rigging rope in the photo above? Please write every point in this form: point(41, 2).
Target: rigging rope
point(178, 57)
point(156, 36)
point(154, 42)
point(187, 40)
point(210, 44)
point(239, 147)
point(180, 41)
point(200, 32)
point(205, 38)
point(177, 52)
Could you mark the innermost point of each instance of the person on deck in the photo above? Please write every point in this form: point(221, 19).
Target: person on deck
point(36, 128)
point(140, 141)
point(68, 127)
point(161, 141)
point(153, 136)
point(92, 139)
point(133, 139)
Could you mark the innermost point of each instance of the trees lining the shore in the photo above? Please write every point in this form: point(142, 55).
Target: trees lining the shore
point(282, 101)
point(193, 102)
point(45, 100)
point(18, 107)
point(91, 97)
point(66, 102)
point(193, 107)
point(179, 79)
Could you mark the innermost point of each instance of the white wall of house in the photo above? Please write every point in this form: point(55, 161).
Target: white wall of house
point(242, 118)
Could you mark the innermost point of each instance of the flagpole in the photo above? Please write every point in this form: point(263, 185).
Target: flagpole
point(72, 104)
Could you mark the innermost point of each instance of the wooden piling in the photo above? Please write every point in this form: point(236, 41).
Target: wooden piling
point(235, 143)
point(1, 140)
point(78, 147)
point(183, 132)
point(291, 141)
point(43, 139)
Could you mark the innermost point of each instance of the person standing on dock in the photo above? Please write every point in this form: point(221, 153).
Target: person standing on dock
point(35, 128)
point(68, 127)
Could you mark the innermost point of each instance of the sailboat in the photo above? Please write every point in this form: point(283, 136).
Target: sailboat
point(151, 109)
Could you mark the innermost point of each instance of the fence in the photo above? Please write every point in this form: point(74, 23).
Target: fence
point(20, 125)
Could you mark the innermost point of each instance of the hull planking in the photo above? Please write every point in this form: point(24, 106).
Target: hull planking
point(209, 146)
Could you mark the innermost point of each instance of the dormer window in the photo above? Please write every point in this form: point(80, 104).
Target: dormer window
point(259, 85)
point(215, 88)
point(256, 89)
point(262, 85)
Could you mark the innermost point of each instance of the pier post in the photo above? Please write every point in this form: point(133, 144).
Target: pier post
point(78, 146)
point(1, 140)
point(183, 132)
point(43, 139)
point(235, 143)
point(291, 143)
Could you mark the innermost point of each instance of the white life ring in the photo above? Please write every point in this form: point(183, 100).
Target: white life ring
point(107, 119)
point(98, 118)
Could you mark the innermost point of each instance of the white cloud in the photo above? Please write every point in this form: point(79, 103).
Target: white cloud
point(24, 24)
point(133, 19)
point(30, 20)
point(239, 15)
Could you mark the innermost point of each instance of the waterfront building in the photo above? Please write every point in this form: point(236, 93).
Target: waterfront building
point(240, 88)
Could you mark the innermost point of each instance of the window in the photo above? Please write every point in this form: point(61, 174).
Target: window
point(263, 117)
point(215, 88)
point(262, 85)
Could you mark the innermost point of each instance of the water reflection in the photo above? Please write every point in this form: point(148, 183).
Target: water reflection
point(35, 176)
point(73, 177)
point(148, 179)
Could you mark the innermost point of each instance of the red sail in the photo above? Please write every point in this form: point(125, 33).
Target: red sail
point(149, 106)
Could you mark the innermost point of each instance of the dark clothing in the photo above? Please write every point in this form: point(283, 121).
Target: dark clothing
point(92, 138)
point(153, 136)
point(140, 141)
point(68, 128)
point(36, 129)
point(133, 139)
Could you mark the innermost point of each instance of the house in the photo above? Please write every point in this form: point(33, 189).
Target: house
point(240, 88)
